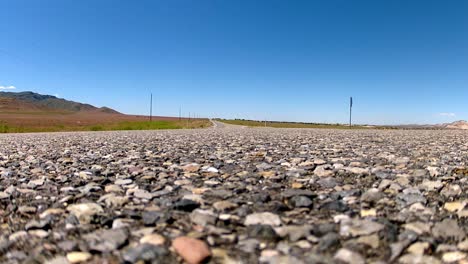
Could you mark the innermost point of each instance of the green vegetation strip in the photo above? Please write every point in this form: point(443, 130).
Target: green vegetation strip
point(254, 123)
point(126, 125)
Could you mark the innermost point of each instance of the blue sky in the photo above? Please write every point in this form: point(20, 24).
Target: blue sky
point(402, 61)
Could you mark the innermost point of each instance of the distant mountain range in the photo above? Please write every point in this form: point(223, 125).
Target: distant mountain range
point(34, 102)
point(456, 125)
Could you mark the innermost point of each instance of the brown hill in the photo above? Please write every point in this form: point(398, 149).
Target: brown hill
point(33, 101)
point(457, 125)
point(28, 111)
point(14, 105)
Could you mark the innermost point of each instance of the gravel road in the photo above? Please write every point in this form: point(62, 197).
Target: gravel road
point(234, 195)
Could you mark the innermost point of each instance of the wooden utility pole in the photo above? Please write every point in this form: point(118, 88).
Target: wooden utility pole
point(180, 113)
point(151, 108)
point(350, 110)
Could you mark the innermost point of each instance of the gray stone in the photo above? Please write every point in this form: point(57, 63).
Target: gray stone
point(85, 211)
point(418, 259)
point(203, 217)
point(348, 256)
point(57, 260)
point(147, 253)
point(106, 240)
point(265, 218)
point(123, 181)
point(411, 196)
point(248, 245)
point(186, 205)
point(152, 217)
point(142, 194)
point(328, 182)
point(300, 201)
point(294, 233)
point(358, 227)
point(324, 171)
point(372, 195)
point(448, 229)
point(262, 232)
point(328, 241)
point(289, 193)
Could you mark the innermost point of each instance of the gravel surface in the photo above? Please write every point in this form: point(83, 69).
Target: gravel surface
point(234, 195)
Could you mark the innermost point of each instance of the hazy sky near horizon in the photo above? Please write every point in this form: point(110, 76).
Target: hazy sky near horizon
point(402, 61)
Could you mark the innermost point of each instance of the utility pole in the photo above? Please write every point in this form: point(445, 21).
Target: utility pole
point(350, 110)
point(180, 113)
point(151, 108)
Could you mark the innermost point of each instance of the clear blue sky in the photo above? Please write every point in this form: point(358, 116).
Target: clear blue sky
point(402, 61)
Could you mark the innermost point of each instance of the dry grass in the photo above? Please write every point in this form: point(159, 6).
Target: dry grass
point(37, 121)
